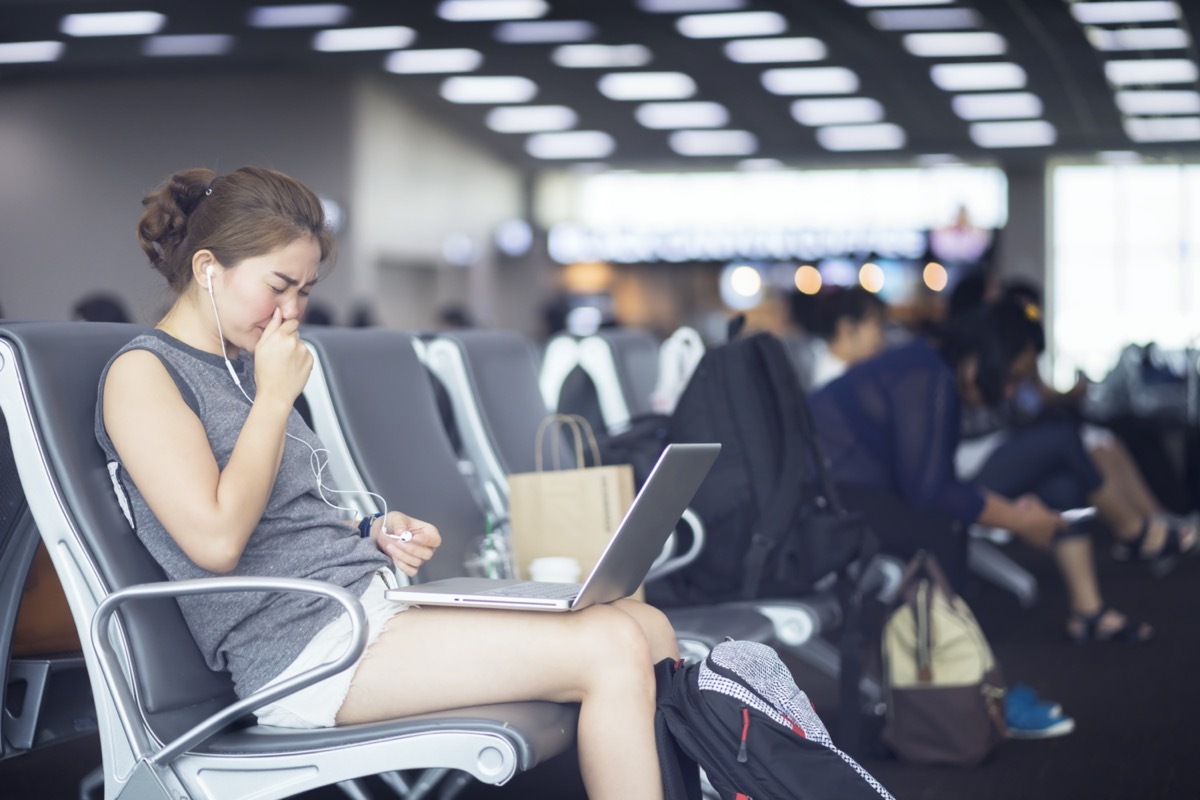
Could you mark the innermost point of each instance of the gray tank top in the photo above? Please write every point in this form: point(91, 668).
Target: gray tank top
point(251, 635)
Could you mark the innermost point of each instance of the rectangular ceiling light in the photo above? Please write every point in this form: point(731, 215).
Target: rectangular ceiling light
point(942, 45)
point(837, 111)
point(1138, 39)
point(531, 119)
point(844, 138)
point(478, 10)
point(344, 40)
point(30, 52)
point(886, 3)
point(117, 23)
point(204, 44)
point(1150, 71)
point(668, 116)
point(997, 105)
point(713, 143)
point(977, 77)
point(770, 51)
point(688, 6)
point(1169, 129)
point(488, 89)
point(1118, 13)
point(647, 86)
point(446, 59)
point(729, 26)
point(810, 80)
point(1153, 103)
point(604, 56)
point(317, 15)
point(1030, 133)
point(572, 144)
point(925, 19)
point(545, 31)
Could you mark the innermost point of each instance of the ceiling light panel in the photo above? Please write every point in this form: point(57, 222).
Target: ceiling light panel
point(1153, 103)
point(688, 6)
point(482, 10)
point(212, 44)
point(670, 116)
point(570, 145)
point(1138, 39)
point(713, 143)
point(772, 51)
point(119, 23)
point(810, 80)
point(997, 105)
point(925, 19)
point(1169, 129)
point(1030, 133)
point(488, 89)
point(1150, 71)
point(728, 26)
point(317, 15)
point(837, 111)
point(1127, 11)
point(602, 56)
point(30, 52)
point(647, 86)
point(442, 60)
point(977, 77)
point(846, 138)
point(344, 40)
point(887, 3)
point(943, 45)
point(545, 31)
point(531, 119)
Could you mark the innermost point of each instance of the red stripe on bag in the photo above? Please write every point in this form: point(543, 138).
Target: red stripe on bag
point(796, 728)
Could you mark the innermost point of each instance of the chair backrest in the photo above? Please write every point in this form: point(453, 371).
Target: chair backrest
point(52, 385)
point(623, 365)
point(388, 414)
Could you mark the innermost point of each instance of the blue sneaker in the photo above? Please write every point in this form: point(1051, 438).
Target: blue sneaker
point(1022, 695)
point(1028, 717)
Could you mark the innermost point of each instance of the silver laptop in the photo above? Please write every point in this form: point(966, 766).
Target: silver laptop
point(622, 566)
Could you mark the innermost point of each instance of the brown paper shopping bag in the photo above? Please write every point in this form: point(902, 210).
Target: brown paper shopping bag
point(570, 511)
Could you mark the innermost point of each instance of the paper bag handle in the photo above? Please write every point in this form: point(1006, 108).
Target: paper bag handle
point(579, 428)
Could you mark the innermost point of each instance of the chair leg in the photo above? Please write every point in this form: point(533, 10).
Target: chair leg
point(354, 789)
point(824, 657)
point(990, 563)
point(91, 786)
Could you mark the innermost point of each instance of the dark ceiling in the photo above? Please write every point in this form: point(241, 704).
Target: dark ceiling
point(1042, 37)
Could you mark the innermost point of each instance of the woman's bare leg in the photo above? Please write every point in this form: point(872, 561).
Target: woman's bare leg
point(1075, 563)
point(1115, 463)
point(429, 659)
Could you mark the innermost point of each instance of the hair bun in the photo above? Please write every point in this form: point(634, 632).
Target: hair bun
point(164, 223)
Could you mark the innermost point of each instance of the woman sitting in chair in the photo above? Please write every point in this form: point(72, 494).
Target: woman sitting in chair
point(220, 477)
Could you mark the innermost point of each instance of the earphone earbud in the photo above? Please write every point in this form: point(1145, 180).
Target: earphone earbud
point(208, 271)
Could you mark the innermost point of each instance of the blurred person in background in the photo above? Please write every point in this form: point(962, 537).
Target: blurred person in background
point(100, 307)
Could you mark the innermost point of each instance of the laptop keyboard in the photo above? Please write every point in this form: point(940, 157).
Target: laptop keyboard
point(540, 590)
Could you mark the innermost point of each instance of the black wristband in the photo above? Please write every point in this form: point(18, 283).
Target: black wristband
point(364, 526)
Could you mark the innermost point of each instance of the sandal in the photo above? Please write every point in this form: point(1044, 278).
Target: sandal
point(1091, 630)
point(1166, 557)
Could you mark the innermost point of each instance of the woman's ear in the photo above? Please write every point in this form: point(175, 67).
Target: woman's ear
point(204, 267)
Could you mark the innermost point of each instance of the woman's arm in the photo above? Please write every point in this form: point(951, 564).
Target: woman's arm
point(209, 512)
point(1027, 517)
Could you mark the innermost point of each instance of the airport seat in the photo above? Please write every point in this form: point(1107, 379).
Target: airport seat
point(988, 561)
point(623, 366)
point(484, 372)
point(170, 727)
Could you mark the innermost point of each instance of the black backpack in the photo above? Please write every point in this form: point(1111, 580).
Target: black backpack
point(775, 525)
point(739, 716)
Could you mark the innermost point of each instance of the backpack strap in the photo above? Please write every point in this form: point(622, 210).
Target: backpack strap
point(779, 504)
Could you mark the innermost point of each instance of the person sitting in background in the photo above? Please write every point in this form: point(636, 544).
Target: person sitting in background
point(1000, 439)
point(890, 427)
point(99, 307)
point(848, 328)
point(214, 464)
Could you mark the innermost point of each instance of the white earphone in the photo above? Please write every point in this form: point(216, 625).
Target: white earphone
point(315, 463)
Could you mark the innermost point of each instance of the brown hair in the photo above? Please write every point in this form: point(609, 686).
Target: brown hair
point(247, 213)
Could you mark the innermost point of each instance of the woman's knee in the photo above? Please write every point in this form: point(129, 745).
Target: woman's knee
point(658, 630)
point(616, 650)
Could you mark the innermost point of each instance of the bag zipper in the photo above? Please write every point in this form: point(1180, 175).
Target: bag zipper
point(742, 755)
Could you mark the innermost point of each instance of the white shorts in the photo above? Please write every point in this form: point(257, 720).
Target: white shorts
point(316, 706)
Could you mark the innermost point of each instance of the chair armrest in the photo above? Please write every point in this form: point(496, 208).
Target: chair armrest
point(216, 722)
point(666, 563)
